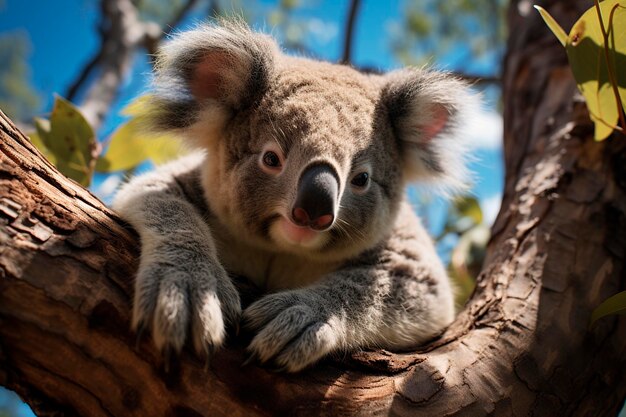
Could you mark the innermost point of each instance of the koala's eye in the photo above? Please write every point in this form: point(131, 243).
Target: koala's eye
point(360, 180)
point(271, 159)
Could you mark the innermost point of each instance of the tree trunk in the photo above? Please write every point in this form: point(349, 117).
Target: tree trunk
point(521, 346)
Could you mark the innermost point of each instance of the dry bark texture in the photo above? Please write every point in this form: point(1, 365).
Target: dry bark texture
point(520, 347)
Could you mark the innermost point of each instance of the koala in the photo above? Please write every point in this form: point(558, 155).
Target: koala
point(296, 182)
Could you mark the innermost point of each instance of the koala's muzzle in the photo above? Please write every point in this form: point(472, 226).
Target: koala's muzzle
point(316, 200)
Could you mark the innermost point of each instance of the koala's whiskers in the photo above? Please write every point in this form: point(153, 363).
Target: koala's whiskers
point(351, 232)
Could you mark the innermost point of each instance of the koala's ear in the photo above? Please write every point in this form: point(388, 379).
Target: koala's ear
point(428, 111)
point(217, 69)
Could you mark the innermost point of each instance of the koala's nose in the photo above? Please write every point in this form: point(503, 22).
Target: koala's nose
point(316, 200)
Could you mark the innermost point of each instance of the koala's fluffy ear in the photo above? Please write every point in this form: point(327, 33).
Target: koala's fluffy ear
point(428, 111)
point(217, 68)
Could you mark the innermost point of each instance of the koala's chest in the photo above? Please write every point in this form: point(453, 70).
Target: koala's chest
point(271, 271)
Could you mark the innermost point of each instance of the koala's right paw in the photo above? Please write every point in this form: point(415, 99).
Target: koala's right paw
point(171, 300)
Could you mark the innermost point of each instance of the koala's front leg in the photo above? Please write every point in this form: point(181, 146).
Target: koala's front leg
point(396, 297)
point(181, 286)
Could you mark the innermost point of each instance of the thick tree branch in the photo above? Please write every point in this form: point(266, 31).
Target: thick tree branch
point(521, 346)
point(122, 33)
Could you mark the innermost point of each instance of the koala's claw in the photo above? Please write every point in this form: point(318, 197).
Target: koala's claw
point(292, 332)
point(177, 304)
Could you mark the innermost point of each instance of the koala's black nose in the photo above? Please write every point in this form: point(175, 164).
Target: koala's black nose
point(316, 201)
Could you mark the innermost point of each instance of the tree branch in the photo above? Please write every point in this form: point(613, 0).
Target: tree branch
point(346, 57)
point(121, 34)
point(78, 83)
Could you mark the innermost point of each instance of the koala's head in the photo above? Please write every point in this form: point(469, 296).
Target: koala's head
point(304, 156)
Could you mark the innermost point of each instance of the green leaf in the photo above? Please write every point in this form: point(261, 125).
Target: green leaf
point(70, 141)
point(554, 27)
point(463, 214)
point(585, 50)
point(132, 143)
point(40, 138)
point(140, 106)
point(43, 126)
point(613, 305)
point(469, 207)
point(36, 139)
point(617, 47)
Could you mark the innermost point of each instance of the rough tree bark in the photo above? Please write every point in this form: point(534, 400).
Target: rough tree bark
point(521, 345)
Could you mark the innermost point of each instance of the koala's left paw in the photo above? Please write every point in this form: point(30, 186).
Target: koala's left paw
point(293, 330)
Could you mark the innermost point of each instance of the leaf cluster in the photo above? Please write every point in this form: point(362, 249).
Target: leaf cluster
point(596, 49)
point(69, 142)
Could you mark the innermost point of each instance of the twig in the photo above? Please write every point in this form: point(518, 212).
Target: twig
point(96, 60)
point(349, 37)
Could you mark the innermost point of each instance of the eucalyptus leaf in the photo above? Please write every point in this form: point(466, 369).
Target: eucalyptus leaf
point(42, 125)
point(463, 214)
point(132, 143)
point(68, 141)
point(139, 107)
point(585, 50)
point(37, 140)
point(613, 305)
point(126, 150)
point(71, 141)
point(41, 137)
point(469, 207)
point(129, 146)
point(554, 27)
point(617, 43)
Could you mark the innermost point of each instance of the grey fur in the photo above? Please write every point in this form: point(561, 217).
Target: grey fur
point(372, 280)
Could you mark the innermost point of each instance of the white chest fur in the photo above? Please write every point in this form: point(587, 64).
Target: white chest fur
point(269, 270)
